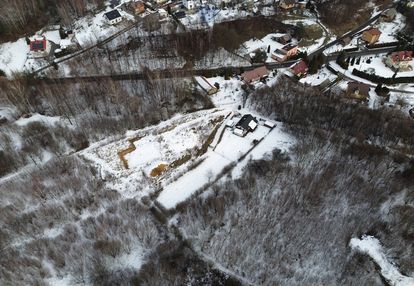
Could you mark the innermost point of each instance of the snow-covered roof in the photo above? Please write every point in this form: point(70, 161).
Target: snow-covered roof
point(203, 83)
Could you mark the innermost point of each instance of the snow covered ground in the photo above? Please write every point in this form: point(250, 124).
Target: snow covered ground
point(13, 56)
point(228, 151)
point(320, 77)
point(152, 146)
point(91, 29)
point(210, 14)
point(371, 246)
point(390, 29)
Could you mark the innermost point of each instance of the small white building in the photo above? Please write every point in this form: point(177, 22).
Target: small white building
point(205, 85)
point(189, 4)
point(113, 17)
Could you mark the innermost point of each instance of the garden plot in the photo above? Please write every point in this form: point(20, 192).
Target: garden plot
point(230, 149)
point(143, 157)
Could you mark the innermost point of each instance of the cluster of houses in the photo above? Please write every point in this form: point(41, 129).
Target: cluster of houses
point(281, 54)
point(134, 8)
point(400, 61)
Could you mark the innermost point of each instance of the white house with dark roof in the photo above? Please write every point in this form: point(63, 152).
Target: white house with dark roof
point(113, 17)
point(246, 124)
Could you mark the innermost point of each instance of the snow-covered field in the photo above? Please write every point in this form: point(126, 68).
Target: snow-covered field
point(13, 56)
point(228, 151)
point(152, 146)
point(320, 77)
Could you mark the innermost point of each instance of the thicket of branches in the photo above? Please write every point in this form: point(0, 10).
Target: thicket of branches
point(342, 15)
point(61, 221)
point(25, 16)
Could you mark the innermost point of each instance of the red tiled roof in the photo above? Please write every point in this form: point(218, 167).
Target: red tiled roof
point(300, 68)
point(260, 72)
point(38, 45)
point(374, 31)
point(402, 56)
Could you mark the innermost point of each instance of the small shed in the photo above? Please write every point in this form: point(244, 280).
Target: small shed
point(205, 85)
point(269, 124)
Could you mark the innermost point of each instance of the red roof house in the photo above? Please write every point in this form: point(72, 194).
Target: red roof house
point(402, 56)
point(400, 61)
point(300, 69)
point(255, 75)
point(38, 45)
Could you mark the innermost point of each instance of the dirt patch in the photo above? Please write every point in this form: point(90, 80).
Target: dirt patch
point(312, 34)
point(159, 170)
point(128, 150)
point(217, 122)
point(182, 160)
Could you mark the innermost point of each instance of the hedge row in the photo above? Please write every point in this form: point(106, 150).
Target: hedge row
point(382, 45)
point(383, 80)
